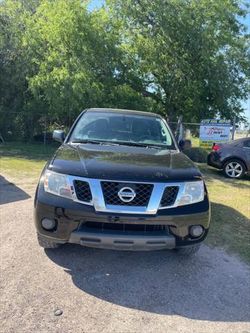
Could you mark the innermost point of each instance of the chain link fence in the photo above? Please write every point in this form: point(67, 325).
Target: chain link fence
point(26, 127)
point(38, 127)
point(191, 131)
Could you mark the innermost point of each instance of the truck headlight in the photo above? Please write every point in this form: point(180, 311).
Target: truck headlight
point(58, 184)
point(191, 193)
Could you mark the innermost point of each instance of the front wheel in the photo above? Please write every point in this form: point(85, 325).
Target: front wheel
point(234, 169)
point(188, 250)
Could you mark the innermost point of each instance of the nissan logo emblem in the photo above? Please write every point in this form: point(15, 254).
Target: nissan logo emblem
point(126, 194)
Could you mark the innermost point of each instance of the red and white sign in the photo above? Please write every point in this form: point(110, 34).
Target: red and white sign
point(212, 130)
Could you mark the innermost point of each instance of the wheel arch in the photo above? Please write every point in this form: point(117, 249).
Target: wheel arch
point(231, 158)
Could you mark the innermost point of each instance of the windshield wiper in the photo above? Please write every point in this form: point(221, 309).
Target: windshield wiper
point(88, 141)
point(121, 143)
point(139, 144)
point(98, 142)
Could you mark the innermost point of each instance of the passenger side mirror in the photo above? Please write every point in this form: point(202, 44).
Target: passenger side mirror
point(59, 135)
point(181, 144)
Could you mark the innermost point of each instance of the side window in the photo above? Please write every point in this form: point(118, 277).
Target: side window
point(246, 144)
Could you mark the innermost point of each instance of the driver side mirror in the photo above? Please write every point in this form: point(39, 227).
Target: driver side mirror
point(59, 135)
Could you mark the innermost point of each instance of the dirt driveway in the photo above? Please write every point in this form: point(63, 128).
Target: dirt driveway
point(108, 291)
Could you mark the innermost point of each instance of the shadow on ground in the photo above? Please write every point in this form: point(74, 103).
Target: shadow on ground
point(212, 175)
point(9, 192)
point(208, 286)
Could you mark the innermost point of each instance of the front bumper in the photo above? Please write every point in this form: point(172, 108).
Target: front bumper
point(73, 219)
point(135, 241)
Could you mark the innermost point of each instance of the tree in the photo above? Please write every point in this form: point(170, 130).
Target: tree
point(66, 59)
point(191, 56)
point(175, 57)
point(77, 60)
point(13, 68)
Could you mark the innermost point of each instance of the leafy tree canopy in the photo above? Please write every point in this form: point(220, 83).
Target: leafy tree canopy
point(175, 57)
point(192, 56)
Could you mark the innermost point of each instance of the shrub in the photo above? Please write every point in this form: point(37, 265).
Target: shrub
point(196, 154)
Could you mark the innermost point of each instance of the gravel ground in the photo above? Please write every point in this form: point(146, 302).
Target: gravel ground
point(76, 289)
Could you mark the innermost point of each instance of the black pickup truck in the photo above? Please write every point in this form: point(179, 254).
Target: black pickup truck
point(119, 181)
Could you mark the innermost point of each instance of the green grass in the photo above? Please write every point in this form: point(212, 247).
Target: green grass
point(230, 223)
point(195, 141)
point(230, 219)
point(23, 159)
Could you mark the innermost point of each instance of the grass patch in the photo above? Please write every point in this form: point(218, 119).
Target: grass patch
point(24, 160)
point(230, 220)
point(28, 151)
point(195, 141)
point(230, 224)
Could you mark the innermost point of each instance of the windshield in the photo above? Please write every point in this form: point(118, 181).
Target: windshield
point(121, 128)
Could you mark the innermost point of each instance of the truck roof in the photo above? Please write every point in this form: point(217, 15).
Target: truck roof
point(135, 112)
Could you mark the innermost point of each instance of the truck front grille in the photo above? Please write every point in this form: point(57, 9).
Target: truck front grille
point(111, 189)
point(113, 196)
point(169, 196)
point(82, 190)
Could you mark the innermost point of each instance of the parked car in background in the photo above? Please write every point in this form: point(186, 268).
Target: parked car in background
point(233, 157)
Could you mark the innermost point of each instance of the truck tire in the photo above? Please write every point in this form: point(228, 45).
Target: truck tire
point(46, 243)
point(188, 250)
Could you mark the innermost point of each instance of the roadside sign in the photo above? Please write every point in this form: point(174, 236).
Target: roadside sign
point(214, 130)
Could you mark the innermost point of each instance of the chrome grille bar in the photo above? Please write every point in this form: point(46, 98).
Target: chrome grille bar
point(98, 201)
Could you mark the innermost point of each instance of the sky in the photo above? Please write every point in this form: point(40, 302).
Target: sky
point(95, 4)
point(245, 104)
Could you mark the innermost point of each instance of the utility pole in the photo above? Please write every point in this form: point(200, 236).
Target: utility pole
point(234, 127)
point(45, 130)
point(179, 129)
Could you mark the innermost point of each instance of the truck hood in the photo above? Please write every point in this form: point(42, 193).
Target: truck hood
point(127, 163)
